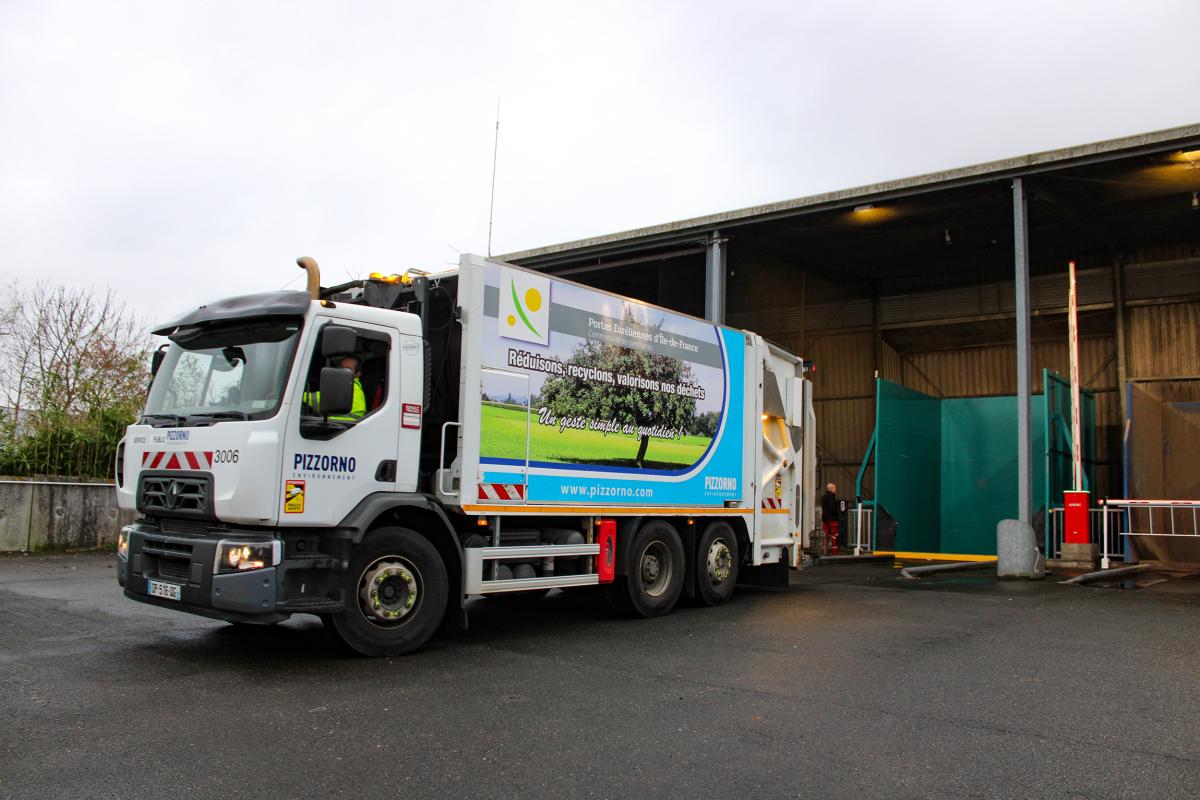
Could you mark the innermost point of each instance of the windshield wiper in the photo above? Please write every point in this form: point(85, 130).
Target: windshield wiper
point(221, 415)
point(172, 418)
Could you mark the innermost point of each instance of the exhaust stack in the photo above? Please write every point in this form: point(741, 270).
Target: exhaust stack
point(314, 276)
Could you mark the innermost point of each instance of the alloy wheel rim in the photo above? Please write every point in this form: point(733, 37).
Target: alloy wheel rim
point(656, 567)
point(719, 562)
point(389, 591)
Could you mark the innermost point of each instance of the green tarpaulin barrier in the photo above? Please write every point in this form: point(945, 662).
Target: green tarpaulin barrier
point(946, 468)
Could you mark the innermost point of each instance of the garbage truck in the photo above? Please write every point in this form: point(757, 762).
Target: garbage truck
point(384, 452)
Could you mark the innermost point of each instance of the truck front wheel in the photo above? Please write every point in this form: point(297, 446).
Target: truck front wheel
point(396, 591)
point(655, 572)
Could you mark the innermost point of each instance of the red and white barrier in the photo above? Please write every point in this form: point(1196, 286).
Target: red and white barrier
point(177, 459)
point(502, 491)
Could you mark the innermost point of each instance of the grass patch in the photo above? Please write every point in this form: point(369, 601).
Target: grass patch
point(503, 436)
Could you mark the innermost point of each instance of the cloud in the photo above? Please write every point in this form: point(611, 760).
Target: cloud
point(180, 152)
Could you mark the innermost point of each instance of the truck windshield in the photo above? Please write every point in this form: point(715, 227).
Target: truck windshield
point(213, 373)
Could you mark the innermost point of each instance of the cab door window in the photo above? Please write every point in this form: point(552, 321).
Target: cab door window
point(368, 362)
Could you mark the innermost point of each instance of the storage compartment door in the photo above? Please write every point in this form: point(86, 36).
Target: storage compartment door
point(504, 430)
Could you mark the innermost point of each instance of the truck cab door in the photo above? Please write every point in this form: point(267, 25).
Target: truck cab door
point(328, 470)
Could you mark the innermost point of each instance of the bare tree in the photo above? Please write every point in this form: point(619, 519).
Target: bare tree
point(69, 350)
point(72, 365)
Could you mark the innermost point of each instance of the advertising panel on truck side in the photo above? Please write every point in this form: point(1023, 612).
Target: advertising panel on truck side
point(600, 398)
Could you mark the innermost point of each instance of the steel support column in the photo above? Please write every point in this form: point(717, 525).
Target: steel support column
point(876, 331)
point(714, 279)
point(1118, 280)
point(1024, 381)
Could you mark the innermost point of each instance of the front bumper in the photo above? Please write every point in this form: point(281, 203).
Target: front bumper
point(186, 560)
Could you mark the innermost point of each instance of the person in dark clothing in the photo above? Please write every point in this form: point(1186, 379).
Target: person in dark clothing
point(829, 517)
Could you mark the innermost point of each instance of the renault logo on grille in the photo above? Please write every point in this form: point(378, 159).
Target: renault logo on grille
point(174, 491)
point(176, 495)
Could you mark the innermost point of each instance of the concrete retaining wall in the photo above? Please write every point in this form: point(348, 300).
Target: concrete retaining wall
point(57, 514)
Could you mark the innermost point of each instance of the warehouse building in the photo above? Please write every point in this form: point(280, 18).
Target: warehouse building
point(953, 286)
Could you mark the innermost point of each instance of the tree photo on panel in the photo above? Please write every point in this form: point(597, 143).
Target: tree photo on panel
point(653, 413)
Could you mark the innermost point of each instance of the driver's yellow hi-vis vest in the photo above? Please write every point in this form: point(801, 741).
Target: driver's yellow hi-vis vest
point(358, 404)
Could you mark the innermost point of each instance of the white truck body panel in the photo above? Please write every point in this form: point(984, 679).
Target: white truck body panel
point(512, 461)
point(242, 456)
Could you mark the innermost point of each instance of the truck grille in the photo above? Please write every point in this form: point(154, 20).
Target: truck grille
point(187, 527)
point(166, 547)
point(161, 494)
point(174, 569)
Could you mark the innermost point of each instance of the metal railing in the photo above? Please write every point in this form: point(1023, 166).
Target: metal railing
point(1099, 517)
point(1177, 518)
point(860, 529)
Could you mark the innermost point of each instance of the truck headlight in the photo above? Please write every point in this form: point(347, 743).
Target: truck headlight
point(123, 543)
point(235, 556)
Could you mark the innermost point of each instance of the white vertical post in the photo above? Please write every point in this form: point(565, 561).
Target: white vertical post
point(1073, 334)
point(1104, 525)
point(858, 530)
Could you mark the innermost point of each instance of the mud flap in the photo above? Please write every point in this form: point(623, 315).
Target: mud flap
point(766, 576)
point(455, 621)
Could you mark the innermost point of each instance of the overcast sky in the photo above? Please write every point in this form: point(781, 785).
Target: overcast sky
point(183, 151)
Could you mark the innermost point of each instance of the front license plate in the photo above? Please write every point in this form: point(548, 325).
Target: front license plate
point(170, 591)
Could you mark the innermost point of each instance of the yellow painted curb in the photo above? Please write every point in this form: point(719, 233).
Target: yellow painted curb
point(933, 556)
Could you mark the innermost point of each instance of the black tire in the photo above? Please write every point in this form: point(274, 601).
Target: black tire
point(654, 572)
point(396, 593)
point(717, 560)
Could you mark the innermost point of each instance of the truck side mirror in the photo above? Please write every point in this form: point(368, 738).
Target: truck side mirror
point(156, 359)
point(337, 340)
point(337, 391)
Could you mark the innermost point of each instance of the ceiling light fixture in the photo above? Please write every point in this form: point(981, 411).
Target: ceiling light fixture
point(946, 236)
point(864, 208)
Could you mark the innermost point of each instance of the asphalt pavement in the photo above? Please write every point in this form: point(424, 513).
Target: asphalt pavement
point(850, 684)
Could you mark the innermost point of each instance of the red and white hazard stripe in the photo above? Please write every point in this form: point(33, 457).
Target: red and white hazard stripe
point(501, 491)
point(771, 502)
point(177, 459)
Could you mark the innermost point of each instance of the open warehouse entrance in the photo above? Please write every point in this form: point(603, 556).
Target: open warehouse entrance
point(945, 469)
point(952, 285)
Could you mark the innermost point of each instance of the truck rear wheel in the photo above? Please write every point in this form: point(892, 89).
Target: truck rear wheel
point(654, 572)
point(396, 592)
point(716, 564)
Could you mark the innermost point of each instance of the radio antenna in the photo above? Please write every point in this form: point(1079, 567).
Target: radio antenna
point(495, 151)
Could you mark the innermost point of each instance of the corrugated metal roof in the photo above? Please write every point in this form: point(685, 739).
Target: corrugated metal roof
point(1183, 136)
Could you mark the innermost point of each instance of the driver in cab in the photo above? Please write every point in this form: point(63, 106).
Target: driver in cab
point(358, 404)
